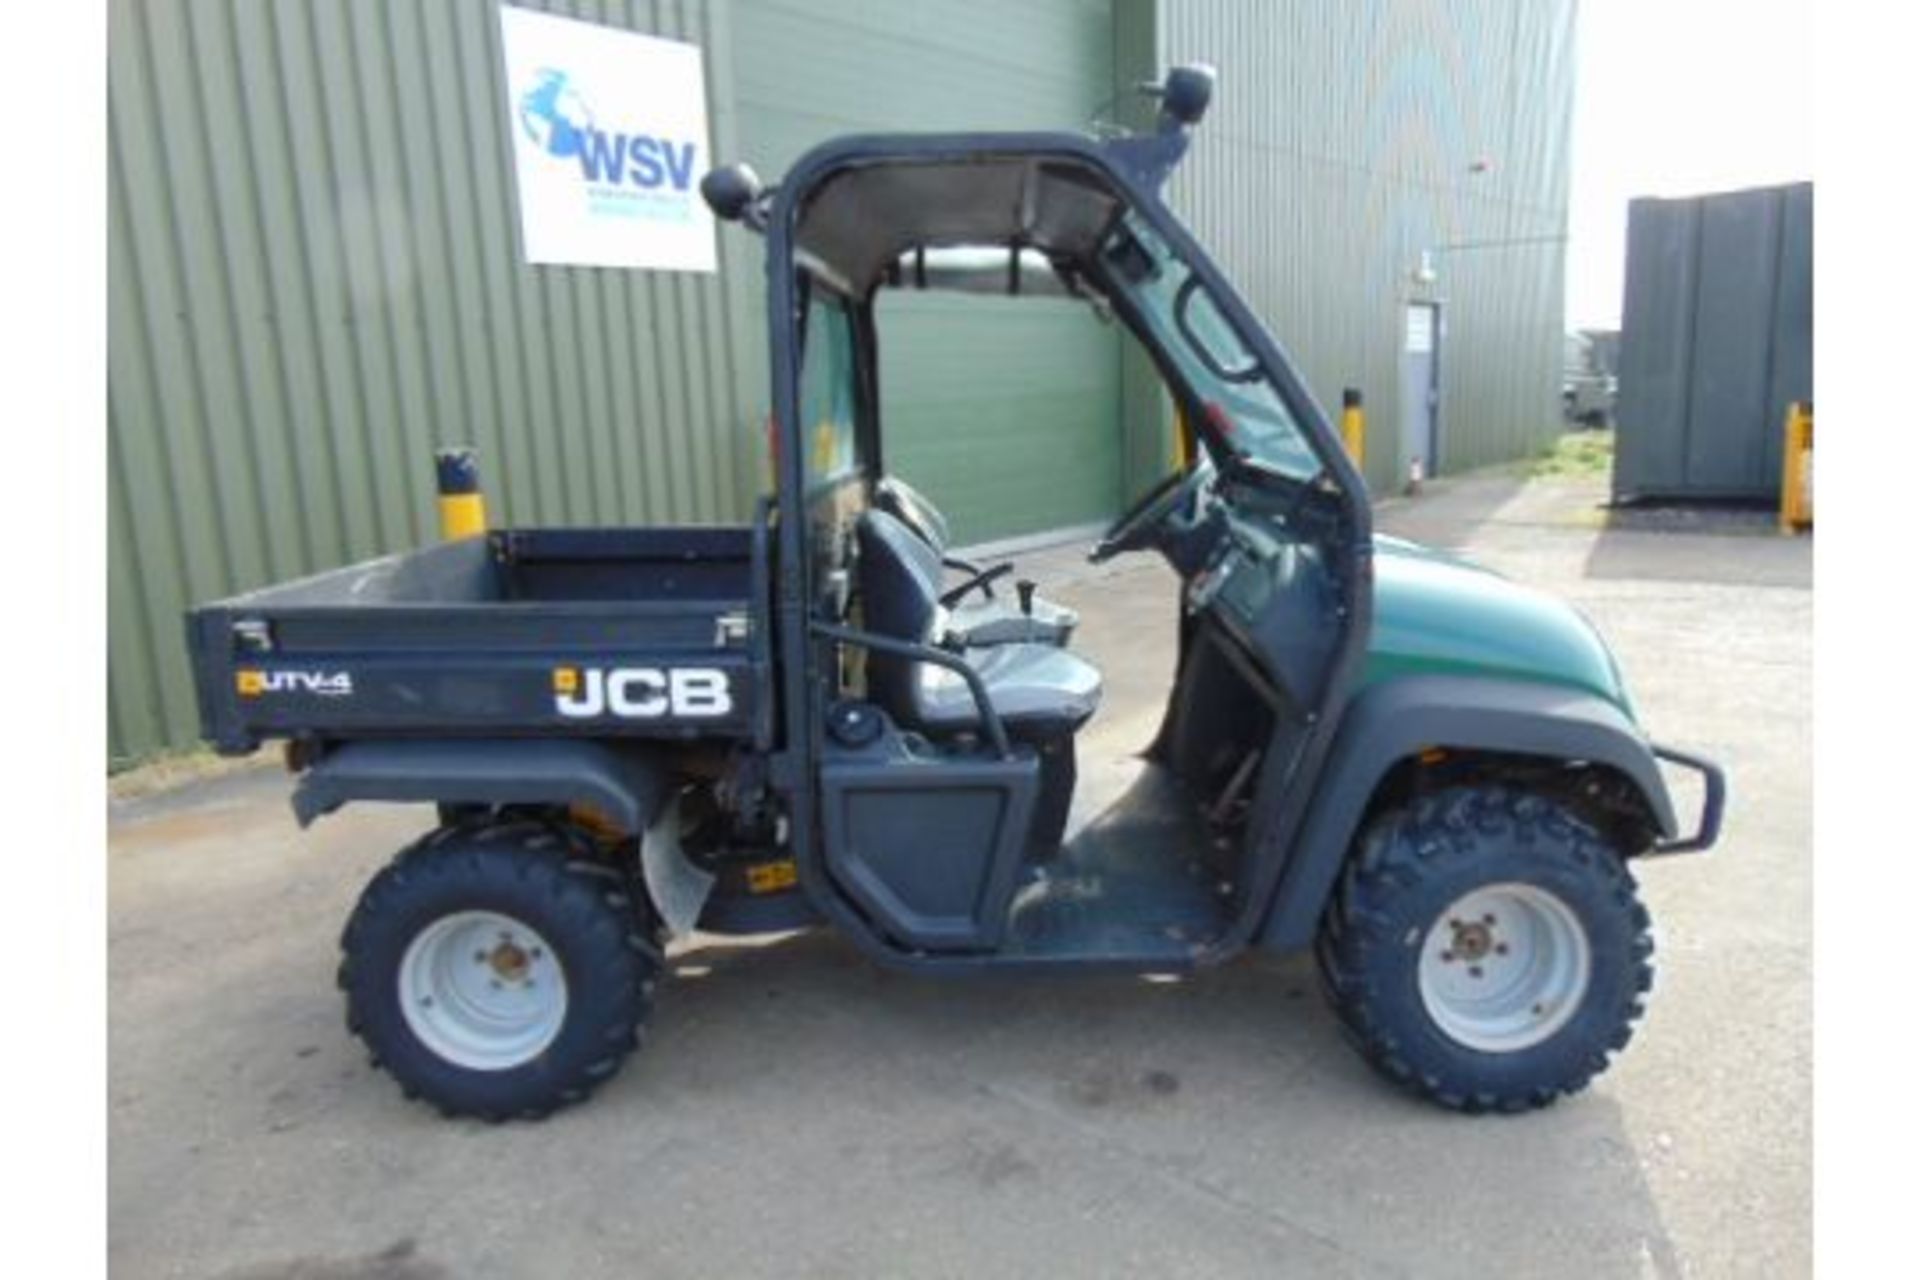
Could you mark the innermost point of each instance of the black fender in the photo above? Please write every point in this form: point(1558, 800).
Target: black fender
point(627, 785)
point(1390, 722)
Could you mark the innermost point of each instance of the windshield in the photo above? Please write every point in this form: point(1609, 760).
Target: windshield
point(827, 391)
point(1245, 412)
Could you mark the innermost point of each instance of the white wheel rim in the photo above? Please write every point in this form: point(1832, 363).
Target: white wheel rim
point(482, 990)
point(1504, 967)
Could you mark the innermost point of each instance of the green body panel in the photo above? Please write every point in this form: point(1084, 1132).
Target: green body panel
point(1438, 614)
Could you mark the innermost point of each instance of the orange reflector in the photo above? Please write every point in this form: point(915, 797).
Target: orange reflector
point(772, 877)
point(595, 823)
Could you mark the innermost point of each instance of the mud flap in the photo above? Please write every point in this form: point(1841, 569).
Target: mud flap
point(678, 888)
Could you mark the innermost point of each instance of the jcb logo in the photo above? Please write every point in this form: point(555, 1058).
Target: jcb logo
point(642, 693)
point(252, 683)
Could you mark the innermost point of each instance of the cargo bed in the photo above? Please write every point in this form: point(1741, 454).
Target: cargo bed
point(651, 632)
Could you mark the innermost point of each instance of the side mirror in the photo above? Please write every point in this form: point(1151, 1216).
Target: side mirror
point(731, 191)
point(1185, 95)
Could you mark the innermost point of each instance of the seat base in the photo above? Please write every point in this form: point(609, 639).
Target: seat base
point(1039, 691)
point(1058, 776)
point(998, 621)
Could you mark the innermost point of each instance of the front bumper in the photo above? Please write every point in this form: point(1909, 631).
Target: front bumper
point(1712, 807)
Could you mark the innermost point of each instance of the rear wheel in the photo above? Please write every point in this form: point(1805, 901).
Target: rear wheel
point(495, 972)
point(1486, 949)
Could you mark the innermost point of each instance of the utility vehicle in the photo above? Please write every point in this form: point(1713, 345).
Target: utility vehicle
point(1428, 773)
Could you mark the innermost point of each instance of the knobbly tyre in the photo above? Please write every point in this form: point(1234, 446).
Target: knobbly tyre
point(822, 718)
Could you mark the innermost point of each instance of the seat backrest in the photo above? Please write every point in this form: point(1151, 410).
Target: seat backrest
point(900, 597)
point(911, 507)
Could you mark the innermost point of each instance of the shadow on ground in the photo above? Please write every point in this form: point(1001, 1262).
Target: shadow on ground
point(1685, 543)
point(797, 1110)
point(1494, 510)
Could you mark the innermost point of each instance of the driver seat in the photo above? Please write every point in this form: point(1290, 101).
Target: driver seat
point(990, 620)
point(1039, 690)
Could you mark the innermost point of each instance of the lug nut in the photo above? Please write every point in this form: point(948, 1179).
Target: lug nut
point(1499, 948)
point(1446, 957)
point(1474, 971)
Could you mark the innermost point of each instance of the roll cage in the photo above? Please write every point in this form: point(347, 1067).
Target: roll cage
point(1131, 171)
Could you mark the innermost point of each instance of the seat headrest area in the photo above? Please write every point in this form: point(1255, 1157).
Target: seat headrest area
point(899, 579)
point(907, 504)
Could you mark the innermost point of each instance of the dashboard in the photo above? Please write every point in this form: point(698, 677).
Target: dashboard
point(1272, 595)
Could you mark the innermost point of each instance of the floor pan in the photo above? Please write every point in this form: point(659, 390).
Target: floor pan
point(1131, 882)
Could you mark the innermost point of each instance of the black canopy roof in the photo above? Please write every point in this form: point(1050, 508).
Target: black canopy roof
point(860, 220)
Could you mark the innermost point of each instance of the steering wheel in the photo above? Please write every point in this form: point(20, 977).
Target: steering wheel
point(1137, 527)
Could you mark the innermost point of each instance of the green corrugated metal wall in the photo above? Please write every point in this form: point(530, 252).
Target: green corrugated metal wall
point(315, 277)
point(967, 384)
point(1340, 145)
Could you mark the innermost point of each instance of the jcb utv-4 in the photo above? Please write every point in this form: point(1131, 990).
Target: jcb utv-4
point(1430, 775)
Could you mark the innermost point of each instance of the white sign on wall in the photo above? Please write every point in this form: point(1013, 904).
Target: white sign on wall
point(609, 144)
point(1419, 329)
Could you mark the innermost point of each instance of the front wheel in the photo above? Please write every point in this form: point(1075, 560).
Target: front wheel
point(1486, 949)
point(494, 973)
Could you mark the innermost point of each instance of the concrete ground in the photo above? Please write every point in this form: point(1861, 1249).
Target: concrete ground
point(799, 1112)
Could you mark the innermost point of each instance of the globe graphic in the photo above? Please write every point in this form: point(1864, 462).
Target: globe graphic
point(554, 114)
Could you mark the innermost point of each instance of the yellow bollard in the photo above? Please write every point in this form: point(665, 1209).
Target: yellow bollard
point(463, 511)
point(1796, 469)
point(1353, 426)
point(1183, 452)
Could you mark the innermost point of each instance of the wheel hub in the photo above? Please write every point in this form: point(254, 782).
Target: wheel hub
point(1470, 941)
point(1504, 967)
point(508, 961)
point(482, 990)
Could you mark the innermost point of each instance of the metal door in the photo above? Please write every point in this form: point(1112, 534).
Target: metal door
point(1420, 392)
point(1005, 412)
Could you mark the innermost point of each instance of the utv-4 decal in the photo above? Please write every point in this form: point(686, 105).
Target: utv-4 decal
point(251, 682)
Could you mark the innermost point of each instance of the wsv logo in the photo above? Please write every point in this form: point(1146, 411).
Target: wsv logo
point(642, 693)
point(558, 120)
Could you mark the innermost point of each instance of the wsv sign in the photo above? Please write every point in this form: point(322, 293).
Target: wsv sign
point(559, 120)
point(644, 161)
point(609, 132)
